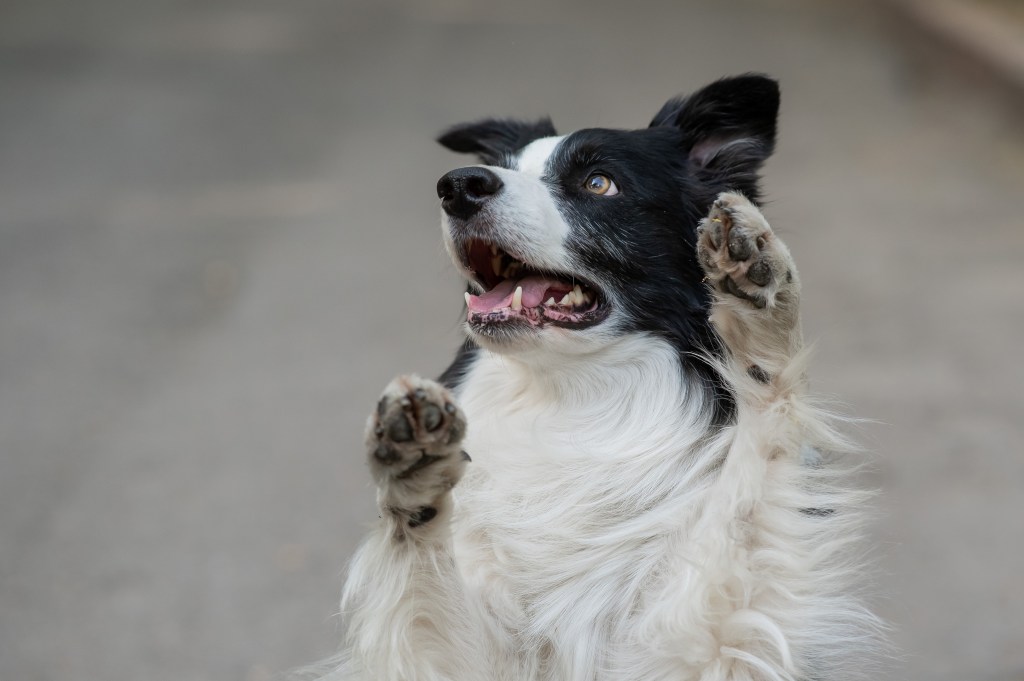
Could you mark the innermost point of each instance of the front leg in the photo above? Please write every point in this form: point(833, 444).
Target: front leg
point(749, 574)
point(755, 286)
point(407, 614)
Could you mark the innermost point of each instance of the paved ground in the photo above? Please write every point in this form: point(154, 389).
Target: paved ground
point(218, 240)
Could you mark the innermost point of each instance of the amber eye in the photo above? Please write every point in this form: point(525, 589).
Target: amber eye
point(601, 184)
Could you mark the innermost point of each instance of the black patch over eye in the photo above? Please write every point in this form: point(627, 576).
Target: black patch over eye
point(600, 184)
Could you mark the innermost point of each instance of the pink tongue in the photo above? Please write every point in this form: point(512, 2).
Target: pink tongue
point(500, 297)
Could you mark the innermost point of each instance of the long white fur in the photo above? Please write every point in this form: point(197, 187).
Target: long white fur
point(606, 531)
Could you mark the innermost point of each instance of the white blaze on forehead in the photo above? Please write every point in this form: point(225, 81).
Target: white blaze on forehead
point(533, 159)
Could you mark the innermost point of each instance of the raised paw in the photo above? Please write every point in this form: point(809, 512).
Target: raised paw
point(413, 439)
point(741, 255)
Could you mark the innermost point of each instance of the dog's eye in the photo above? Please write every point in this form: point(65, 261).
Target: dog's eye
point(601, 184)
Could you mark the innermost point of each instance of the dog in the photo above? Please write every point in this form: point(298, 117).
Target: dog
point(621, 476)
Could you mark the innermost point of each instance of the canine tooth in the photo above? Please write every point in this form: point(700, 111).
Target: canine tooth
point(517, 299)
point(566, 299)
point(496, 265)
point(550, 301)
point(467, 298)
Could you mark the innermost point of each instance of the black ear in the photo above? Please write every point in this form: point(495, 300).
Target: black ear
point(728, 127)
point(493, 138)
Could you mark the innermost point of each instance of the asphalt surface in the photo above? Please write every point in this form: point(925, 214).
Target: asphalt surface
point(219, 240)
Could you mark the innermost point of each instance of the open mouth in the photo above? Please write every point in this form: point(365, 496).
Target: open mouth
point(516, 293)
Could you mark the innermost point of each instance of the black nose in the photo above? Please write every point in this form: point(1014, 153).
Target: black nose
point(464, 191)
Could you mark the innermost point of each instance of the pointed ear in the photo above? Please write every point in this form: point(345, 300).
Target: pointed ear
point(493, 138)
point(728, 127)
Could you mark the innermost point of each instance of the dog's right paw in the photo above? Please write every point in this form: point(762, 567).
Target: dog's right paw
point(414, 439)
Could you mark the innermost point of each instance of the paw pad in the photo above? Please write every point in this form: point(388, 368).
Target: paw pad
point(413, 440)
point(739, 253)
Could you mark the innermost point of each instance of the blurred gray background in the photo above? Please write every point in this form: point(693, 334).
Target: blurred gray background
point(219, 239)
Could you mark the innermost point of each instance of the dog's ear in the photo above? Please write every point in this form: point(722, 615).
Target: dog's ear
point(493, 138)
point(728, 127)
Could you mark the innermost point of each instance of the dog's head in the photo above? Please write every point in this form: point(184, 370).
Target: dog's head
point(570, 240)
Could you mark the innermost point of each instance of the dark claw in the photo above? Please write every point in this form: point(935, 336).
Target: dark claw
point(432, 417)
point(379, 430)
point(400, 430)
point(465, 456)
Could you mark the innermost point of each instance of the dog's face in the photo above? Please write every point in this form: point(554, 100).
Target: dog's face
point(568, 241)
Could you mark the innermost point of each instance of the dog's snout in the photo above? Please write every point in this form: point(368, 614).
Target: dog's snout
point(464, 191)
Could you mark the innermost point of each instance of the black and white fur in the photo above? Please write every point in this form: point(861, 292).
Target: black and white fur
point(636, 488)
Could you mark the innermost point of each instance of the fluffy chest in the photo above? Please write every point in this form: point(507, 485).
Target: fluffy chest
point(594, 431)
point(578, 486)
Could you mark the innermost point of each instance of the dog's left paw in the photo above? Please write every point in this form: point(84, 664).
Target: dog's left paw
point(740, 253)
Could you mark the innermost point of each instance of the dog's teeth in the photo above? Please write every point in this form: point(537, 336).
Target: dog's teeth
point(550, 301)
point(467, 298)
point(517, 299)
point(496, 265)
point(494, 250)
point(566, 299)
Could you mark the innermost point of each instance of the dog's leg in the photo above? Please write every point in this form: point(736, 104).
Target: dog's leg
point(755, 284)
point(738, 596)
point(407, 614)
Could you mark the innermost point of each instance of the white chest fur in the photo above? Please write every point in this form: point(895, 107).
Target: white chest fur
point(584, 476)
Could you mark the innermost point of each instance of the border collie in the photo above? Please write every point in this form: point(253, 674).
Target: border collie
point(620, 477)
